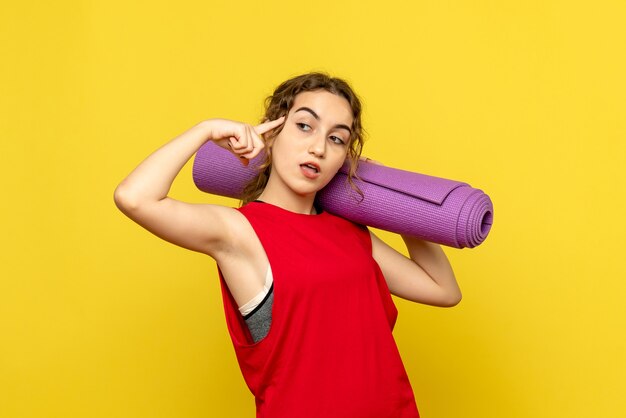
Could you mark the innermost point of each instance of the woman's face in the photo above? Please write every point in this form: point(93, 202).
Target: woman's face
point(314, 141)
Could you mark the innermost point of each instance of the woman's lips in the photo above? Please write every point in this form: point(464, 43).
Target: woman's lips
point(310, 170)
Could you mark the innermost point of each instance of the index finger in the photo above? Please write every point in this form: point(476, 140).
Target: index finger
point(269, 125)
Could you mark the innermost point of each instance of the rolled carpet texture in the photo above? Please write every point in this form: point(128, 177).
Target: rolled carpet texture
point(435, 209)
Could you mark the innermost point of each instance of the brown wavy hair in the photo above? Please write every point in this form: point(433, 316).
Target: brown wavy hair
point(279, 104)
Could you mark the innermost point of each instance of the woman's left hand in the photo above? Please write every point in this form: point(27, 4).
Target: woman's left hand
point(369, 160)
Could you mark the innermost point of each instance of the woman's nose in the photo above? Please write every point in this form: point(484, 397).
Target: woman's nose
point(317, 146)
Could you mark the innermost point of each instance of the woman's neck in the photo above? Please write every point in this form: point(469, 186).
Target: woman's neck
point(290, 202)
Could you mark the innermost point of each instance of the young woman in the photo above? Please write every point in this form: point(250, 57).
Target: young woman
point(307, 295)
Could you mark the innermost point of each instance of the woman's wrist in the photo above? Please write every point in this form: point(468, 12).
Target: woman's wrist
point(206, 129)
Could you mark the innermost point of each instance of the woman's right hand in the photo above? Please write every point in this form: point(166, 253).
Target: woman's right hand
point(207, 228)
point(243, 140)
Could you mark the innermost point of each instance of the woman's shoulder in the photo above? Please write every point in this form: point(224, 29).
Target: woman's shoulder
point(347, 222)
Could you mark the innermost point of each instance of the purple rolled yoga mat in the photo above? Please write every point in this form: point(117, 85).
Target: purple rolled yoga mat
point(435, 209)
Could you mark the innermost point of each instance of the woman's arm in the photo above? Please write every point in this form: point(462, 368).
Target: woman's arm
point(142, 195)
point(426, 277)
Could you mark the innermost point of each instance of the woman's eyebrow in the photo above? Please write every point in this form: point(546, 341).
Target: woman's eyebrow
point(339, 125)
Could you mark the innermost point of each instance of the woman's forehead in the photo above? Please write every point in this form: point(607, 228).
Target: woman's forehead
point(326, 106)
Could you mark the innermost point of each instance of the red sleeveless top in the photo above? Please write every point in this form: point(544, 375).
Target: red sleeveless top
point(330, 351)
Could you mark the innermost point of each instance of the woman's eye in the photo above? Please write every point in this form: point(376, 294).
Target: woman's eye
point(303, 126)
point(337, 140)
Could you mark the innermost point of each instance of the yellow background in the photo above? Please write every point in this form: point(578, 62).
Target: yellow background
point(524, 100)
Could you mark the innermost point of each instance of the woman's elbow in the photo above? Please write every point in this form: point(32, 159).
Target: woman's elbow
point(452, 299)
point(124, 199)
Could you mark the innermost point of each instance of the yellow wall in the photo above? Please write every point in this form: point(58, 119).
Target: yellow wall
point(525, 100)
